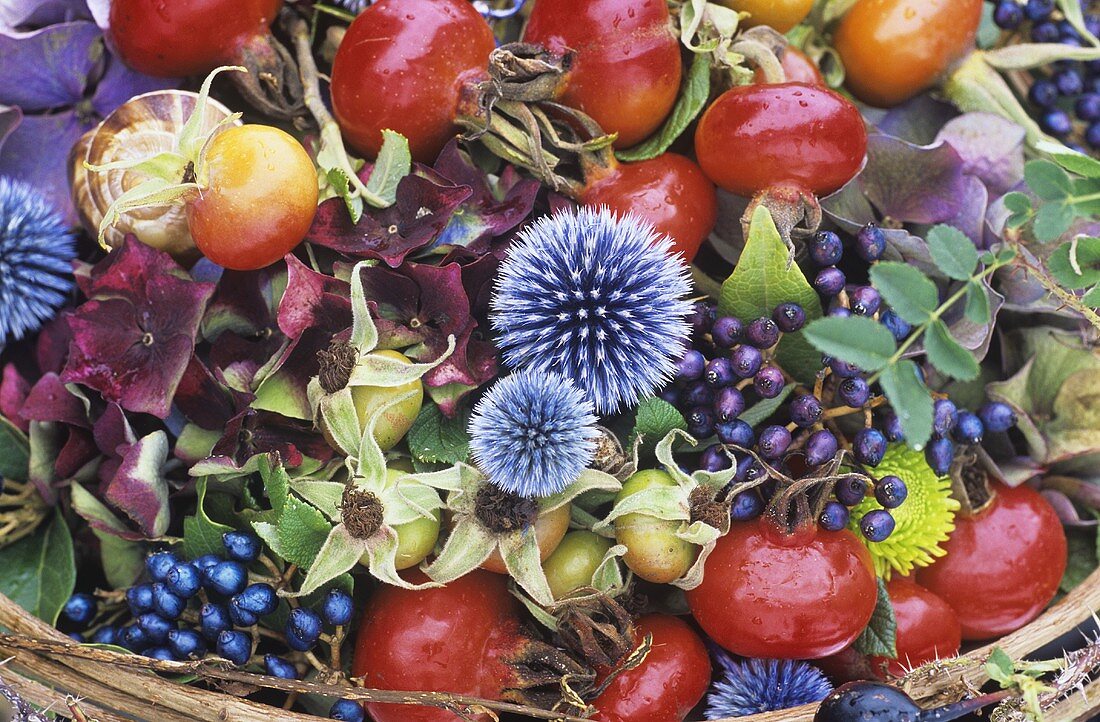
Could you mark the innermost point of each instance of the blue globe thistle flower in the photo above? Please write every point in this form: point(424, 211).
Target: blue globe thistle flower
point(763, 685)
point(355, 6)
point(533, 433)
point(36, 252)
point(596, 298)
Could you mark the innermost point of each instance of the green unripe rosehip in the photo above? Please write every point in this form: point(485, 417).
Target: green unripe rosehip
point(654, 552)
point(573, 563)
point(395, 421)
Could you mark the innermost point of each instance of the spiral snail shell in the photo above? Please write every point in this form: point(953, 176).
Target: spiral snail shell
point(142, 127)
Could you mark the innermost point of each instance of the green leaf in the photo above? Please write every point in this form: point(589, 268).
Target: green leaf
point(1086, 196)
point(908, 291)
point(342, 185)
point(123, 560)
point(952, 252)
point(856, 339)
point(202, 535)
point(977, 303)
point(39, 571)
point(879, 638)
point(1092, 298)
point(302, 530)
point(435, 438)
point(1047, 180)
point(761, 281)
point(393, 163)
point(655, 419)
point(947, 355)
point(999, 666)
point(1017, 202)
point(1052, 220)
point(911, 401)
point(692, 100)
point(1081, 560)
point(755, 414)
point(1077, 163)
point(1076, 264)
point(15, 452)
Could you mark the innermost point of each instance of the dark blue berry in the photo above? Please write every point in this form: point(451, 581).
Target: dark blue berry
point(746, 361)
point(869, 702)
point(156, 627)
point(830, 281)
point(939, 454)
point(1056, 122)
point(944, 417)
point(1092, 24)
point(736, 433)
point(1043, 93)
point(877, 525)
point(691, 365)
point(997, 416)
point(259, 599)
point(213, 620)
point(241, 546)
point(669, 394)
point(826, 248)
point(820, 447)
point(1069, 82)
point(719, 373)
point(158, 564)
point(969, 430)
point(890, 491)
point(161, 653)
point(895, 324)
point(239, 616)
point(790, 317)
point(700, 422)
point(1045, 32)
point(728, 404)
point(1088, 107)
point(891, 426)
point(702, 317)
point(746, 505)
point(1068, 32)
point(840, 312)
point(235, 646)
point(864, 301)
point(714, 458)
point(853, 392)
point(279, 667)
point(805, 410)
point(337, 607)
point(850, 490)
point(303, 628)
point(1038, 9)
point(225, 578)
point(76, 637)
point(697, 393)
point(1008, 15)
point(184, 580)
point(753, 472)
point(106, 635)
point(869, 446)
point(80, 609)
point(772, 442)
point(347, 710)
point(133, 638)
point(843, 369)
point(763, 333)
point(1092, 135)
point(140, 598)
point(167, 604)
point(870, 243)
point(206, 561)
point(768, 382)
point(727, 331)
point(834, 516)
point(186, 644)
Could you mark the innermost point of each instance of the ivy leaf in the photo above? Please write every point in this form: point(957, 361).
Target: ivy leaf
point(947, 355)
point(1047, 180)
point(1076, 264)
point(977, 303)
point(435, 438)
point(1078, 163)
point(655, 419)
point(910, 400)
point(202, 535)
point(15, 452)
point(909, 292)
point(1052, 220)
point(394, 163)
point(39, 570)
point(879, 638)
point(761, 281)
point(952, 251)
point(693, 98)
point(856, 339)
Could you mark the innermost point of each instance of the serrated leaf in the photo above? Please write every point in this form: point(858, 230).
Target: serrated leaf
point(1052, 220)
point(910, 400)
point(910, 293)
point(761, 281)
point(393, 163)
point(952, 252)
point(977, 303)
point(879, 638)
point(39, 570)
point(855, 339)
point(1047, 180)
point(1078, 163)
point(1076, 264)
point(201, 534)
point(947, 355)
point(692, 100)
point(654, 420)
point(435, 438)
point(999, 666)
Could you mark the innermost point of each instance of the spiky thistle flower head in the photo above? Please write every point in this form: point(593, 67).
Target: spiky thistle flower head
point(533, 433)
point(597, 298)
point(36, 253)
point(763, 685)
point(355, 6)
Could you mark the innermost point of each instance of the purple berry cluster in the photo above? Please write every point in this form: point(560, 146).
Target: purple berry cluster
point(953, 427)
point(1066, 95)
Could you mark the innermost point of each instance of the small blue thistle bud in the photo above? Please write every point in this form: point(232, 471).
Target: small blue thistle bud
point(763, 685)
point(598, 299)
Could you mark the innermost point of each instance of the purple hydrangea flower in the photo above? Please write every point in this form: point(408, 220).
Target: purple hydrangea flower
point(596, 298)
point(36, 253)
point(533, 433)
point(763, 685)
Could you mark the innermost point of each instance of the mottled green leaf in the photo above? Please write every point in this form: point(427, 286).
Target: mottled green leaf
point(1052, 220)
point(879, 638)
point(908, 291)
point(945, 353)
point(393, 163)
point(435, 438)
point(654, 420)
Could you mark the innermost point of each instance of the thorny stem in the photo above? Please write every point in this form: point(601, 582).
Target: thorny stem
point(1053, 287)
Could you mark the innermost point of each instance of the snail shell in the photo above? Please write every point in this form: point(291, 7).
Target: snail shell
point(142, 127)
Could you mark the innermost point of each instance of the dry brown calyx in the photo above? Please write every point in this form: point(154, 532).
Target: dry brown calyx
point(595, 627)
point(502, 511)
point(707, 508)
point(336, 363)
point(361, 512)
point(970, 483)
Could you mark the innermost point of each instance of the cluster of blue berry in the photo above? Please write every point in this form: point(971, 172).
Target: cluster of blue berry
point(1068, 88)
point(188, 608)
point(953, 426)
